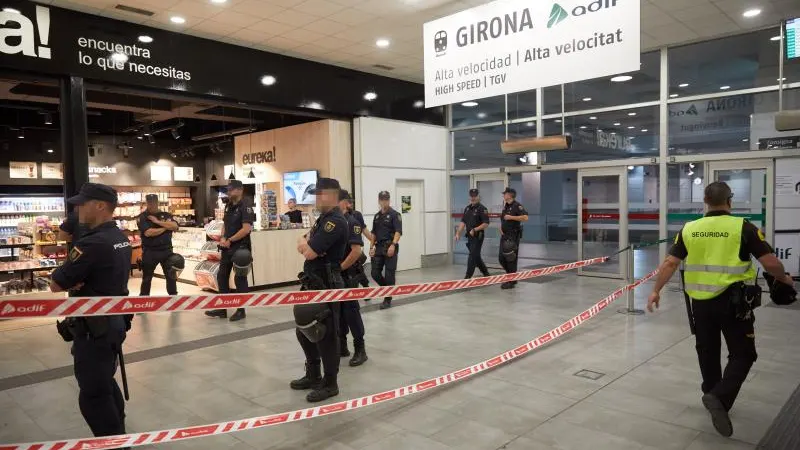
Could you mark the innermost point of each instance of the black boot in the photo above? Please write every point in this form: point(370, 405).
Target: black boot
point(218, 313)
point(325, 390)
point(359, 355)
point(507, 285)
point(238, 315)
point(343, 351)
point(387, 303)
point(311, 379)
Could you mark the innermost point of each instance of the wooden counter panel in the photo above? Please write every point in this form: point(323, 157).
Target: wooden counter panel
point(275, 257)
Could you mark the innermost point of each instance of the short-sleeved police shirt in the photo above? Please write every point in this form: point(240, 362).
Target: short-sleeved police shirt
point(236, 215)
point(753, 242)
point(359, 218)
point(329, 239)
point(72, 226)
point(512, 209)
point(385, 225)
point(354, 228)
point(475, 215)
point(101, 260)
point(161, 242)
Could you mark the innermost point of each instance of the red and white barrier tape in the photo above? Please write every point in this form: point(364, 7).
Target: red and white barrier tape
point(102, 306)
point(180, 434)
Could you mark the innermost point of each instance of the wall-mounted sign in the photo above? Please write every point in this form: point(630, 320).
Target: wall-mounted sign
point(183, 173)
point(517, 45)
point(102, 170)
point(775, 143)
point(259, 157)
point(53, 171)
point(18, 169)
point(160, 173)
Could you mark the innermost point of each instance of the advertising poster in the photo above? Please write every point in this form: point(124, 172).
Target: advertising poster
point(405, 205)
point(510, 46)
point(19, 169)
point(298, 186)
point(53, 171)
point(787, 184)
point(183, 173)
point(160, 173)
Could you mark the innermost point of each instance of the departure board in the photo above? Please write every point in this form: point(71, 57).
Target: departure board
point(792, 34)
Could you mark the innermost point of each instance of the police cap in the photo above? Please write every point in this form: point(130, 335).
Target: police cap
point(151, 198)
point(511, 191)
point(474, 192)
point(325, 184)
point(94, 191)
point(344, 195)
point(384, 195)
point(235, 184)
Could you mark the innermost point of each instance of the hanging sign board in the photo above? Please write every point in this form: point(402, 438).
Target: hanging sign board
point(510, 46)
point(183, 173)
point(160, 173)
point(19, 169)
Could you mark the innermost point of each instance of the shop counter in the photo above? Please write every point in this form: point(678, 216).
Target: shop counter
point(275, 257)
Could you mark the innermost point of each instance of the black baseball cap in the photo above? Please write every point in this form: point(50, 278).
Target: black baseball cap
point(325, 184)
point(511, 191)
point(235, 184)
point(94, 191)
point(151, 197)
point(344, 195)
point(384, 195)
point(474, 192)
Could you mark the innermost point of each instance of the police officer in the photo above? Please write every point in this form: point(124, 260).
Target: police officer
point(353, 274)
point(716, 250)
point(387, 227)
point(234, 246)
point(98, 265)
point(70, 229)
point(318, 324)
point(511, 233)
point(475, 220)
point(156, 228)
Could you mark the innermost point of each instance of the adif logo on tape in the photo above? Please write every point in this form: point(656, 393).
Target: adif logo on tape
point(8, 309)
point(11, 309)
point(23, 28)
point(131, 305)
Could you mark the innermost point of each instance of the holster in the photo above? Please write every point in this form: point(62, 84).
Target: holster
point(744, 299)
point(83, 328)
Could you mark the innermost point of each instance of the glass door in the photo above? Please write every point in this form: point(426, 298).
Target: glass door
point(603, 200)
point(491, 187)
point(753, 187)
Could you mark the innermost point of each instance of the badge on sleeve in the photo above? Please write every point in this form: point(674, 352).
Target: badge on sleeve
point(357, 229)
point(75, 254)
point(329, 226)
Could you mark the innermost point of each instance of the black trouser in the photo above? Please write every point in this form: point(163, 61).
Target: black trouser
point(151, 259)
point(327, 348)
point(381, 261)
point(100, 399)
point(350, 317)
point(712, 317)
point(474, 245)
point(515, 236)
point(224, 274)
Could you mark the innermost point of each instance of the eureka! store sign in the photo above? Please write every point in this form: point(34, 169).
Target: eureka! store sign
point(510, 46)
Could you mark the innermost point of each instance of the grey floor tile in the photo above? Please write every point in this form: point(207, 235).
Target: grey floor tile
point(497, 414)
point(421, 420)
point(365, 432)
point(715, 442)
point(406, 440)
point(562, 435)
point(471, 435)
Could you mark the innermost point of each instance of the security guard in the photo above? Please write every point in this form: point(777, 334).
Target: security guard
point(318, 323)
point(475, 220)
point(511, 233)
point(98, 265)
point(156, 228)
point(716, 251)
point(353, 274)
point(235, 247)
point(387, 227)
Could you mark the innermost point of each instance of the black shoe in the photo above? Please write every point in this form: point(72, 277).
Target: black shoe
point(387, 303)
point(486, 274)
point(719, 415)
point(312, 378)
point(218, 313)
point(359, 356)
point(325, 390)
point(343, 351)
point(238, 315)
point(507, 285)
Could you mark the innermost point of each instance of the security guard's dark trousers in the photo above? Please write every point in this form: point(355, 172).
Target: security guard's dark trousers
point(510, 266)
point(151, 259)
point(100, 398)
point(327, 348)
point(351, 316)
point(474, 245)
point(712, 318)
point(224, 274)
point(380, 262)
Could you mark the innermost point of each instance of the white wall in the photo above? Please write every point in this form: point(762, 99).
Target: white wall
point(388, 150)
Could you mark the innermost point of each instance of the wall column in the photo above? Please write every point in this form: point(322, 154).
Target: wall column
point(74, 139)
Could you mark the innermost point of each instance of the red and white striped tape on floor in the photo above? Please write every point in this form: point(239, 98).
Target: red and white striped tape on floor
point(180, 434)
point(102, 306)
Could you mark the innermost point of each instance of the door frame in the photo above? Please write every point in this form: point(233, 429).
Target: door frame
point(496, 176)
point(748, 164)
point(622, 173)
point(399, 199)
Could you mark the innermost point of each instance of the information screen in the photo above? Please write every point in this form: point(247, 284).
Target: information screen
point(298, 186)
point(792, 34)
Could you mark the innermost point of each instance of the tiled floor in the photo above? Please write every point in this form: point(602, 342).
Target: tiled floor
point(647, 397)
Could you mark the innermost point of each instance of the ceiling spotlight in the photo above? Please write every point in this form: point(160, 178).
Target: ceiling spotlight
point(587, 99)
point(613, 134)
point(175, 133)
point(582, 127)
point(631, 167)
point(118, 57)
point(49, 150)
point(621, 78)
point(724, 88)
point(313, 105)
point(251, 174)
point(557, 121)
point(382, 43)
point(691, 165)
point(631, 127)
point(644, 130)
point(419, 104)
point(462, 159)
point(268, 80)
point(751, 12)
point(775, 38)
point(213, 177)
point(690, 173)
point(145, 39)
point(673, 95)
point(683, 85)
point(698, 181)
point(370, 96)
point(523, 159)
point(139, 137)
point(151, 139)
point(592, 117)
point(21, 134)
point(218, 2)
point(631, 113)
point(173, 155)
point(48, 119)
point(481, 115)
point(470, 104)
point(616, 124)
point(745, 140)
point(529, 124)
point(177, 19)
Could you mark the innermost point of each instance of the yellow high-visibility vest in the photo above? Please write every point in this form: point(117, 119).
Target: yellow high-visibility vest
point(713, 263)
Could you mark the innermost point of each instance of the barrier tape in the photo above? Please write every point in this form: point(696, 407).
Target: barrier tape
point(180, 434)
point(103, 306)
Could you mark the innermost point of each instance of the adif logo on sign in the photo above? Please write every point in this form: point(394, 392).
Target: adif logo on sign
point(558, 13)
point(690, 111)
point(22, 35)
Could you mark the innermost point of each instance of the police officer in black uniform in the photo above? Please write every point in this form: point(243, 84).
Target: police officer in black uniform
point(353, 274)
point(511, 233)
point(235, 247)
point(70, 229)
point(317, 331)
point(387, 227)
point(156, 228)
point(98, 265)
point(475, 220)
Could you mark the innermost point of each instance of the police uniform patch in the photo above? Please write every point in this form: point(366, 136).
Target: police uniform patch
point(357, 229)
point(329, 226)
point(75, 253)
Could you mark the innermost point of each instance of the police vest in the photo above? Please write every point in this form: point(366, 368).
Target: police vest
point(713, 263)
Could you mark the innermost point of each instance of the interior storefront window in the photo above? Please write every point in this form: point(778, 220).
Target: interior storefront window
point(476, 112)
point(459, 198)
point(521, 105)
point(737, 62)
point(480, 148)
point(620, 89)
point(551, 99)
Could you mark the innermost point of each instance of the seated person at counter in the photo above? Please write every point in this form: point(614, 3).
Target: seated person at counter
point(294, 214)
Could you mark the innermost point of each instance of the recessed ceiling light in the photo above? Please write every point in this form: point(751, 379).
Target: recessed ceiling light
point(631, 127)
point(616, 124)
point(49, 150)
point(587, 99)
point(751, 12)
point(529, 124)
point(419, 104)
point(582, 127)
point(630, 167)
point(745, 140)
point(481, 115)
point(370, 96)
point(557, 121)
point(724, 88)
point(698, 181)
point(781, 79)
point(673, 95)
point(219, 2)
point(145, 38)
point(775, 38)
point(11, 10)
point(613, 134)
point(382, 43)
point(119, 57)
point(631, 113)
point(621, 78)
point(599, 130)
point(470, 104)
point(644, 130)
point(268, 80)
point(313, 105)
point(592, 117)
point(177, 19)
point(683, 85)
point(462, 159)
